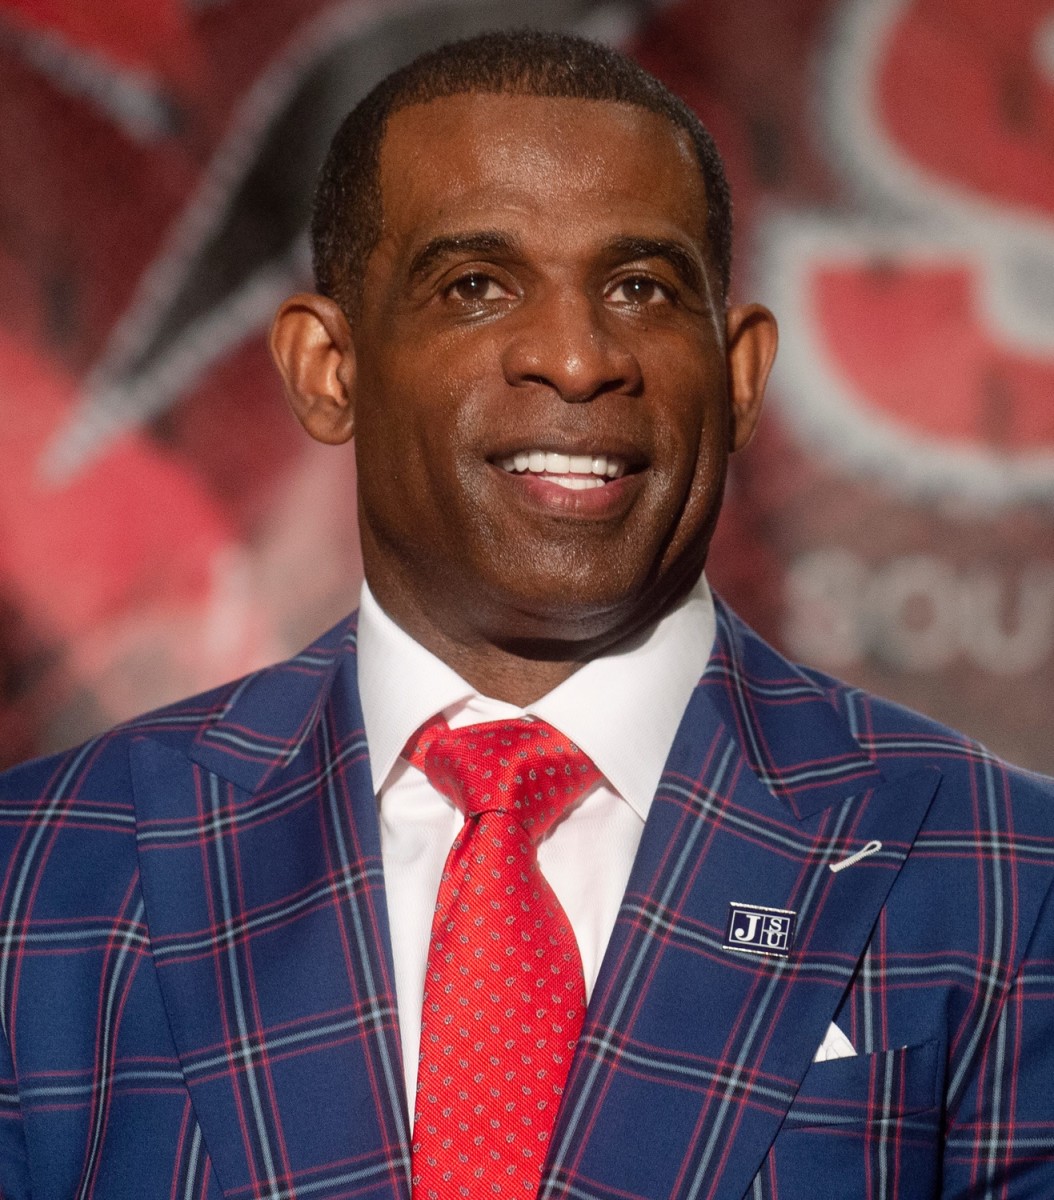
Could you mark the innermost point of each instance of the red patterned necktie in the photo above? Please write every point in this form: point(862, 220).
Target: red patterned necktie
point(504, 994)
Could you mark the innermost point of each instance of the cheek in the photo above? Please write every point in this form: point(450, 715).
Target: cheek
point(695, 524)
point(417, 469)
point(396, 412)
point(390, 466)
point(691, 430)
point(695, 449)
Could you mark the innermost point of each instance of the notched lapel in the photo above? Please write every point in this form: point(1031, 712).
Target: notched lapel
point(796, 743)
point(270, 715)
point(693, 1051)
point(268, 927)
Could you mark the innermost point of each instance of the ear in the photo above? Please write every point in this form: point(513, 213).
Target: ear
point(750, 349)
point(312, 348)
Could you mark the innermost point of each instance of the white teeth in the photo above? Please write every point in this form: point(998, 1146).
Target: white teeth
point(576, 483)
point(585, 470)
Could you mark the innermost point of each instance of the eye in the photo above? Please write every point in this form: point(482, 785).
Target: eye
point(639, 291)
point(475, 288)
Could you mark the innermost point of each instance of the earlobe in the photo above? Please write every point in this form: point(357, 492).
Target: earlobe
point(312, 347)
point(750, 349)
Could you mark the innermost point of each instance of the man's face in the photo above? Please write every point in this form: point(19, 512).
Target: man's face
point(541, 394)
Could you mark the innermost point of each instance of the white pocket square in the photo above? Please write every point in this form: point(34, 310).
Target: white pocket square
point(834, 1045)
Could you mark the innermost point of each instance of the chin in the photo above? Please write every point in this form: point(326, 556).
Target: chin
point(555, 615)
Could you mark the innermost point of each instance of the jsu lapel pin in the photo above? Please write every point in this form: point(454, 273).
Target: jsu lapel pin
point(755, 929)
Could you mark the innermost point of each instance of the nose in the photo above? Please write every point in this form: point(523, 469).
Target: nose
point(569, 344)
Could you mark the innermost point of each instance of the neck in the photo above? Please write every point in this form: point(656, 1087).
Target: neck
point(519, 674)
point(518, 667)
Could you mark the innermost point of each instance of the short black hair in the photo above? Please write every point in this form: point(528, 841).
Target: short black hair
point(346, 218)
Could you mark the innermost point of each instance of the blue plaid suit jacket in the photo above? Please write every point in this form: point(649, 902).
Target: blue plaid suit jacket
point(196, 991)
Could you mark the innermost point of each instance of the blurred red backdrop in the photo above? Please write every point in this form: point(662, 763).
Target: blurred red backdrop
point(163, 523)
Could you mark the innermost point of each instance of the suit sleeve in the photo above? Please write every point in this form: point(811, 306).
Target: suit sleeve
point(1000, 1141)
point(14, 1168)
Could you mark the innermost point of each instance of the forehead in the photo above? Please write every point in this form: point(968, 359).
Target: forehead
point(474, 157)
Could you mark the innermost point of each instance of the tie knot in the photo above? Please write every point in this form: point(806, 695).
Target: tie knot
point(524, 768)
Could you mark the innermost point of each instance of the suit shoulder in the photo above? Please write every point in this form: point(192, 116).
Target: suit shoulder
point(795, 714)
point(897, 736)
point(102, 761)
point(100, 766)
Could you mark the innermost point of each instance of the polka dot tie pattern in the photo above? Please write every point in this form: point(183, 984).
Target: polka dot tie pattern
point(504, 994)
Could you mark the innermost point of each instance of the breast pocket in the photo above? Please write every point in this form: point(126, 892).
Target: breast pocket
point(863, 1128)
point(868, 1088)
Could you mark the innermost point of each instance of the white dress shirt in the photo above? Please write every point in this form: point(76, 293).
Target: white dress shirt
point(622, 709)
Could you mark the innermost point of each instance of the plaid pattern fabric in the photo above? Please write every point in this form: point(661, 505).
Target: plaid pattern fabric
point(196, 989)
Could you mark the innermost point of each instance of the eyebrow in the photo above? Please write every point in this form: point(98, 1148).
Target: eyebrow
point(492, 242)
point(485, 242)
point(683, 262)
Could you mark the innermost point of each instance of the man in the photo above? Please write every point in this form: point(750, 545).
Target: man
point(814, 929)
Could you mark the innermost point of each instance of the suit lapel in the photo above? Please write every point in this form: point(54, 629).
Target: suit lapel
point(261, 866)
point(693, 1051)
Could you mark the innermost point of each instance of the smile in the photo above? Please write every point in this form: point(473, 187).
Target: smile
point(577, 472)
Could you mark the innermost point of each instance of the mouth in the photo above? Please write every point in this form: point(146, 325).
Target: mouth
point(575, 472)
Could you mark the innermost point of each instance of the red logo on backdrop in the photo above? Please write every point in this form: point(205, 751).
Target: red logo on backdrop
point(163, 526)
point(919, 347)
point(153, 492)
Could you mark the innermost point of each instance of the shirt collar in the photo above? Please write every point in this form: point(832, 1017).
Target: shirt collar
point(622, 708)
